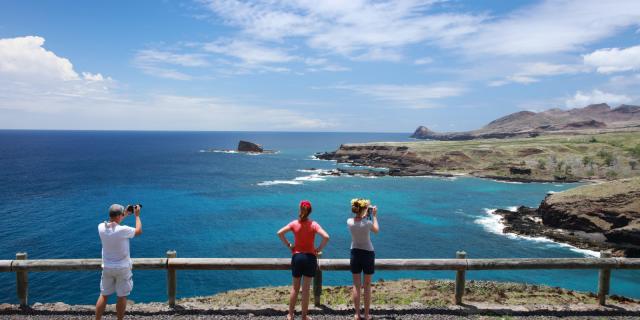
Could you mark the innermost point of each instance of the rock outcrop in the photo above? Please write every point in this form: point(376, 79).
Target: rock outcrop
point(599, 216)
point(531, 124)
point(246, 146)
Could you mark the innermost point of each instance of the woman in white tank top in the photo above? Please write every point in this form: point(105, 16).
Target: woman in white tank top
point(362, 260)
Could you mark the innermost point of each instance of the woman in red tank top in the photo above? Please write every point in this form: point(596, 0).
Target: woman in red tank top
point(304, 260)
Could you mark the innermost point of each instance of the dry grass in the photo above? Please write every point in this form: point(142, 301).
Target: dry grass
point(435, 293)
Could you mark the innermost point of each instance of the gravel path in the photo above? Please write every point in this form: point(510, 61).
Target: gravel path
point(316, 317)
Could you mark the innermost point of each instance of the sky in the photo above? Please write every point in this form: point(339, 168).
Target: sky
point(309, 65)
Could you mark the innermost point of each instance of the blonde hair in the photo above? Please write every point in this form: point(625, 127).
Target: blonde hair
point(359, 206)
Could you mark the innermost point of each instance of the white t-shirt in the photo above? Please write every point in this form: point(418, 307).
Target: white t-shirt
point(360, 238)
point(115, 244)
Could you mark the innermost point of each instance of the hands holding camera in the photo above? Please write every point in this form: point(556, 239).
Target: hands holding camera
point(134, 208)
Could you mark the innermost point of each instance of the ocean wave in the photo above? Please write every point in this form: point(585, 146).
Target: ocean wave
point(493, 223)
point(510, 182)
point(318, 175)
point(275, 182)
point(314, 158)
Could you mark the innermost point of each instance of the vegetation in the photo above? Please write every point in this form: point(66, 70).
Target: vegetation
point(436, 293)
point(550, 157)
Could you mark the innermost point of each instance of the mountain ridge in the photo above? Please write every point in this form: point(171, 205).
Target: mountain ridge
point(594, 117)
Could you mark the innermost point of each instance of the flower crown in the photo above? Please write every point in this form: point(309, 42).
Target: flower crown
point(361, 203)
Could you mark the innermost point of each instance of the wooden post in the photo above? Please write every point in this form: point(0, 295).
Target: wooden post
point(603, 280)
point(22, 282)
point(171, 279)
point(460, 278)
point(317, 286)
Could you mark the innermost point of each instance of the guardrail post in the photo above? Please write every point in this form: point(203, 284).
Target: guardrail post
point(171, 279)
point(604, 278)
point(317, 286)
point(22, 282)
point(460, 278)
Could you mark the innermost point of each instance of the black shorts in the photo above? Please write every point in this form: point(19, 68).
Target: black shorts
point(303, 264)
point(362, 261)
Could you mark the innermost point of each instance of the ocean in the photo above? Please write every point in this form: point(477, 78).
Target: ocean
point(56, 186)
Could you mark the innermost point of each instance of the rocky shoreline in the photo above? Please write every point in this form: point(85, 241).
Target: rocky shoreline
point(603, 216)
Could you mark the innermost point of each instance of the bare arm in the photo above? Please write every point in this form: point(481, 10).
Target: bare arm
point(325, 239)
point(375, 228)
point(284, 240)
point(136, 211)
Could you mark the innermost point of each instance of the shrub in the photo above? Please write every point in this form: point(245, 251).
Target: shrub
point(542, 164)
point(611, 175)
point(586, 160)
point(633, 164)
point(593, 140)
point(607, 157)
point(635, 151)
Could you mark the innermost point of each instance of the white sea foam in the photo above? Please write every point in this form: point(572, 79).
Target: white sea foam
point(317, 176)
point(511, 182)
point(275, 182)
point(313, 157)
point(493, 223)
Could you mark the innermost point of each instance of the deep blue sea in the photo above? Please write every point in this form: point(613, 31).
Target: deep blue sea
point(56, 186)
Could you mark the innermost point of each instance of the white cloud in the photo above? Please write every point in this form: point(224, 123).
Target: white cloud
point(424, 60)
point(249, 52)
point(355, 29)
point(29, 72)
point(581, 99)
point(163, 64)
point(551, 27)
point(614, 59)
point(39, 89)
point(411, 96)
point(26, 58)
point(531, 72)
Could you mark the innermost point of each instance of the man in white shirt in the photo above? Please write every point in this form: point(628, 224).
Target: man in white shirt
point(116, 261)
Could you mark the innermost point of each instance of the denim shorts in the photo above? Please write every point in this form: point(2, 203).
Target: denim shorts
point(362, 261)
point(303, 264)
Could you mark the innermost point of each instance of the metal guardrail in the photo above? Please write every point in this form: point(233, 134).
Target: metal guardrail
point(21, 266)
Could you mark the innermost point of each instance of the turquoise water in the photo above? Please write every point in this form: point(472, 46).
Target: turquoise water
point(55, 187)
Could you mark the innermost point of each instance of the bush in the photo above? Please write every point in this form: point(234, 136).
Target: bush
point(611, 175)
point(607, 157)
point(593, 140)
point(633, 164)
point(542, 164)
point(586, 160)
point(635, 151)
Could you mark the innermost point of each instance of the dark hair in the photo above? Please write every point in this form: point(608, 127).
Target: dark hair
point(305, 211)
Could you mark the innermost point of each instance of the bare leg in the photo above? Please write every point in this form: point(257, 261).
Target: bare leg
point(293, 297)
point(101, 304)
point(355, 294)
point(367, 295)
point(305, 297)
point(121, 307)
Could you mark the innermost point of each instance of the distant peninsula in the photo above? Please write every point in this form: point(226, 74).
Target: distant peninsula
point(592, 119)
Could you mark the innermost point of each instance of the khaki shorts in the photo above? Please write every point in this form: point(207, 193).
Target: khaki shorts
point(118, 280)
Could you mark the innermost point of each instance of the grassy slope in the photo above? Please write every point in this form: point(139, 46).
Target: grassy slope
point(599, 156)
point(435, 293)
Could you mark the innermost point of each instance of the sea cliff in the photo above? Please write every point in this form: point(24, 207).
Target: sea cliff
point(604, 216)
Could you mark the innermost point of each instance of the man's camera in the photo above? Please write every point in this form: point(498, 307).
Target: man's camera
point(131, 207)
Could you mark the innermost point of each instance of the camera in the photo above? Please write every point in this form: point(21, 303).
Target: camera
point(130, 208)
point(370, 212)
